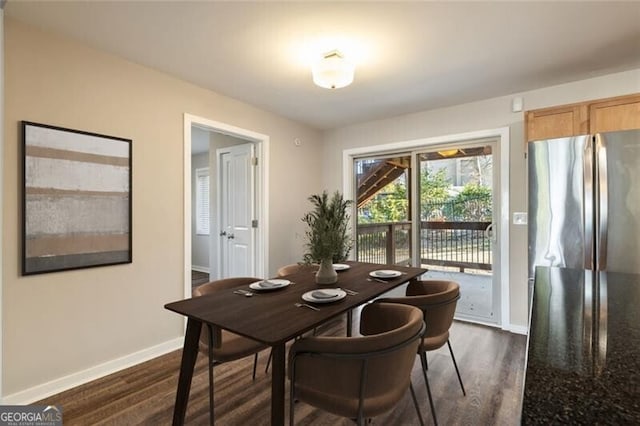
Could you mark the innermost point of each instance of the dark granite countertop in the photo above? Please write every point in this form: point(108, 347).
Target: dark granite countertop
point(583, 358)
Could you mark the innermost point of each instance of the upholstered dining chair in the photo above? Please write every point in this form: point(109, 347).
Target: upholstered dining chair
point(283, 271)
point(437, 299)
point(350, 376)
point(294, 268)
point(220, 345)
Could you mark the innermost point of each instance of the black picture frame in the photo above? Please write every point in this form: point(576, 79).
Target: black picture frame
point(76, 199)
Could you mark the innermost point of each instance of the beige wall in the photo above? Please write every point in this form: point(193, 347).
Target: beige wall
point(487, 114)
point(59, 324)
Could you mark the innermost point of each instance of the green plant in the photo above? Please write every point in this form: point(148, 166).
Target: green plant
point(389, 205)
point(473, 203)
point(327, 236)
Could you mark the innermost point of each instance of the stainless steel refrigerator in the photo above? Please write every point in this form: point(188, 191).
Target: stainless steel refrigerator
point(584, 202)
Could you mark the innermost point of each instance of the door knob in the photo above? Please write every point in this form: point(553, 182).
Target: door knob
point(231, 236)
point(223, 233)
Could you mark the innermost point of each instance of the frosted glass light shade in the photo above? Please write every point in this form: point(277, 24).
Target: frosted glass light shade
point(448, 152)
point(333, 71)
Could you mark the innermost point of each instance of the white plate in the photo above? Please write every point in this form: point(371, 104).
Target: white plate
point(272, 284)
point(385, 273)
point(341, 266)
point(326, 295)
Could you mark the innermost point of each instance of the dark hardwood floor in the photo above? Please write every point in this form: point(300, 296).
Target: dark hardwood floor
point(198, 278)
point(491, 364)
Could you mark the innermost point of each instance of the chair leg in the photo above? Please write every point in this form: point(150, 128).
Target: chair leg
point(266, 369)
point(292, 398)
point(211, 364)
point(255, 364)
point(456, 366)
point(415, 403)
point(423, 359)
point(211, 414)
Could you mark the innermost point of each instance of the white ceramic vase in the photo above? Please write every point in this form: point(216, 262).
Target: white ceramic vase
point(326, 274)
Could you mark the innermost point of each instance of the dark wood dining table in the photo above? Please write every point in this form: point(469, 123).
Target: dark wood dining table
point(272, 317)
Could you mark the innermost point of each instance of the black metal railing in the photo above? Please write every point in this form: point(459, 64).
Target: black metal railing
point(455, 244)
point(458, 244)
point(384, 243)
point(472, 209)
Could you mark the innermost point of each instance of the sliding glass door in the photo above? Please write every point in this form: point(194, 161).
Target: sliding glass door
point(436, 208)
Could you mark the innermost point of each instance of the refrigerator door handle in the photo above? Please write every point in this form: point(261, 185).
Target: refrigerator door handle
point(588, 214)
point(602, 203)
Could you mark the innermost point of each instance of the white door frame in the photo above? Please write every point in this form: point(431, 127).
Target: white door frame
point(262, 191)
point(502, 135)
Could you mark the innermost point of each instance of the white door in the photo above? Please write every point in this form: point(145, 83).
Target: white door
point(236, 211)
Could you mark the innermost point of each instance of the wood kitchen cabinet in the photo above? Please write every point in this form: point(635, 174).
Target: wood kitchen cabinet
point(622, 113)
point(557, 122)
point(603, 115)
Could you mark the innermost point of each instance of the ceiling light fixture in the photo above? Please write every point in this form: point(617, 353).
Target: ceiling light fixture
point(333, 71)
point(448, 153)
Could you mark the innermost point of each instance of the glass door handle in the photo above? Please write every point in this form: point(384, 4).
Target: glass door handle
point(489, 233)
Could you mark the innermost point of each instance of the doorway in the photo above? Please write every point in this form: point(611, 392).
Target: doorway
point(224, 136)
point(463, 238)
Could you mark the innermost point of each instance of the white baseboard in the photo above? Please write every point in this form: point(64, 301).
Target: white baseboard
point(518, 329)
point(53, 387)
point(200, 269)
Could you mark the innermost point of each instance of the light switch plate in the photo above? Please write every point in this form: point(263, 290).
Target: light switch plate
point(520, 218)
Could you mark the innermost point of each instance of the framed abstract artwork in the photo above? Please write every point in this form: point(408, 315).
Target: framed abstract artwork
point(76, 199)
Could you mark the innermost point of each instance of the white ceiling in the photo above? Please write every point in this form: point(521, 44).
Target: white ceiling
point(410, 56)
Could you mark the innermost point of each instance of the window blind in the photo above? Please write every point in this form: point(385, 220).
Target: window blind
point(202, 201)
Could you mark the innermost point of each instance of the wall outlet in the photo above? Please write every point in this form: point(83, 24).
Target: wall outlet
point(520, 218)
